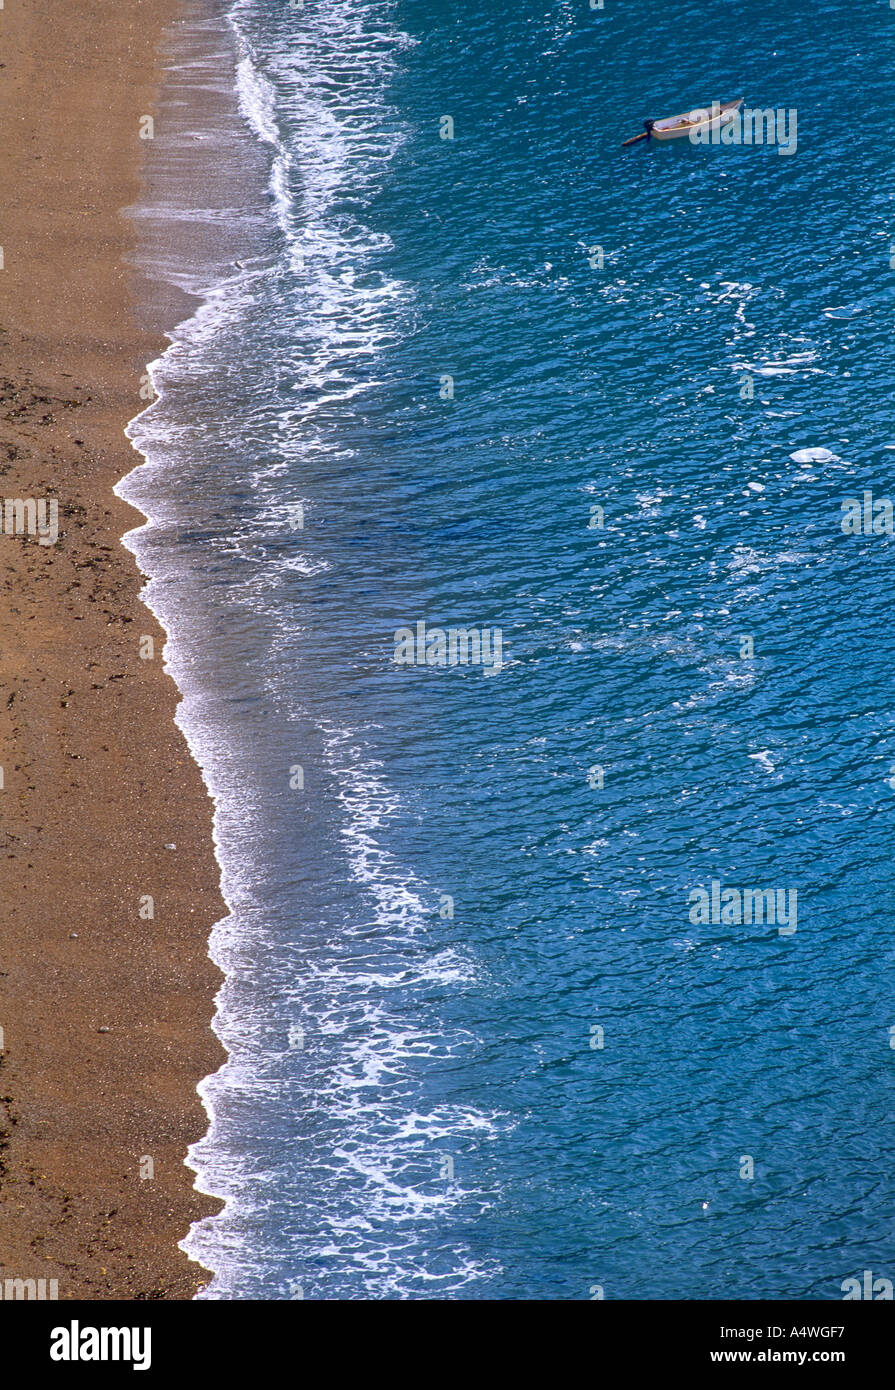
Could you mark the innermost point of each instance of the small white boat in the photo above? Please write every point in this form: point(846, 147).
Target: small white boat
point(704, 119)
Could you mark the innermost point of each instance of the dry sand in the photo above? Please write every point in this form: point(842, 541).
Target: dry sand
point(97, 780)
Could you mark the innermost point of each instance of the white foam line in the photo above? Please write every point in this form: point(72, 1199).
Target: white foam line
point(325, 144)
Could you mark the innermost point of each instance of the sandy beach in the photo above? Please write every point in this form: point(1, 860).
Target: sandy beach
point(106, 998)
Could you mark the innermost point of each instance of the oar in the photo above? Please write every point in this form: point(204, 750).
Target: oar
point(646, 134)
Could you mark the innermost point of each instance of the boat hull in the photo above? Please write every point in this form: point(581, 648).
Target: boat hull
point(682, 127)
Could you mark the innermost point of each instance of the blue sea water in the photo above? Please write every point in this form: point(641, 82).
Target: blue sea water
point(478, 1048)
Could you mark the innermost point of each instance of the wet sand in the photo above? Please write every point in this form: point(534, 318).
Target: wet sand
point(105, 1009)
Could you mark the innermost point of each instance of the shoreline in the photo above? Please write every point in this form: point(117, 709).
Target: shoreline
point(102, 921)
point(204, 232)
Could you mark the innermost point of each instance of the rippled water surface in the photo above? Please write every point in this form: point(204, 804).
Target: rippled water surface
point(479, 1049)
